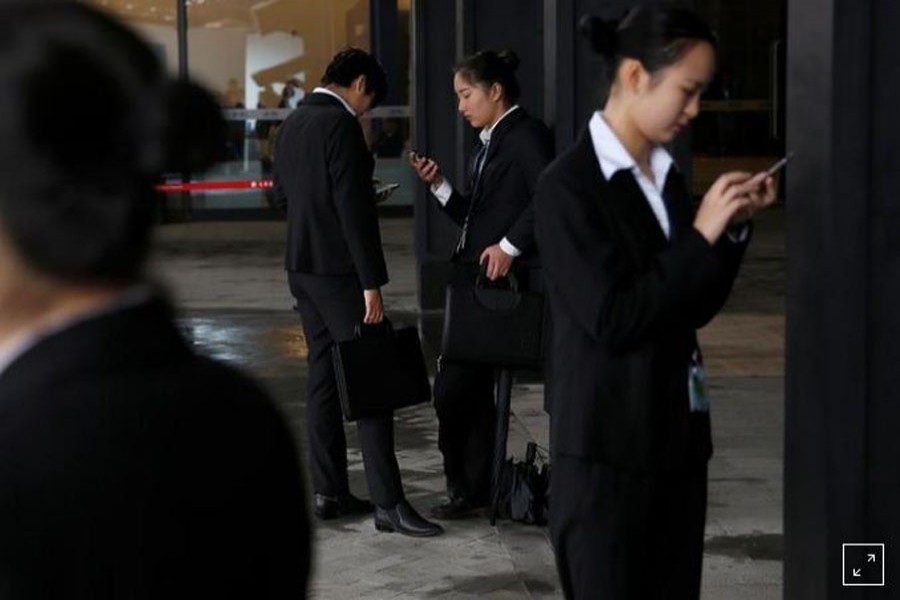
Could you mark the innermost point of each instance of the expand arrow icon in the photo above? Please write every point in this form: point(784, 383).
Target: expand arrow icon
point(856, 572)
point(871, 558)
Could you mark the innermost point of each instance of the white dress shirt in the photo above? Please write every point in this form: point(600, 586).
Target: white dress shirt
point(613, 156)
point(443, 191)
point(322, 90)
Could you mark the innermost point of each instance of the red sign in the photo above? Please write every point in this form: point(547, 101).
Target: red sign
point(207, 186)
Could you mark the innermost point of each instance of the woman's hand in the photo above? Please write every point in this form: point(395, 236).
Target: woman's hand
point(498, 262)
point(427, 170)
point(761, 191)
point(730, 194)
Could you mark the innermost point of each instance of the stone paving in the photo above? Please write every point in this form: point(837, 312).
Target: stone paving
point(228, 281)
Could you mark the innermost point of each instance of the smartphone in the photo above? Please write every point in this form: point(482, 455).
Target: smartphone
point(779, 165)
point(413, 155)
point(382, 190)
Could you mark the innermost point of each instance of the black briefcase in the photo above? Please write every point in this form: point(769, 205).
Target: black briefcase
point(489, 325)
point(380, 370)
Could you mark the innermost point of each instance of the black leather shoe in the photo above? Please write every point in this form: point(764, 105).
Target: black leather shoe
point(331, 507)
point(404, 519)
point(458, 508)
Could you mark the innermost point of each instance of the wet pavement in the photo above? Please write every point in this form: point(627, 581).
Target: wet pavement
point(228, 282)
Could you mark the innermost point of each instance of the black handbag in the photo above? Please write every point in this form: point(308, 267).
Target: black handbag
point(380, 370)
point(489, 325)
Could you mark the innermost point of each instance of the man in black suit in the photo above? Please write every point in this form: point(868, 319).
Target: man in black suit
point(129, 466)
point(336, 267)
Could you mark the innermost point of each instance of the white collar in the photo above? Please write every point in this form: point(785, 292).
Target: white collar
point(322, 90)
point(12, 349)
point(613, 156)
point(485, 134)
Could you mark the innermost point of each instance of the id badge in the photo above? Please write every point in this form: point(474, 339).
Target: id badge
point(697, 389)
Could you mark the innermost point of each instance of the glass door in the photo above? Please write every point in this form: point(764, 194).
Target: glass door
point(260, 59)
point(741, 124)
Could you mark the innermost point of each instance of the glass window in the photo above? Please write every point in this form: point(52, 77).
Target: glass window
point(260, 59)
point(156, 20)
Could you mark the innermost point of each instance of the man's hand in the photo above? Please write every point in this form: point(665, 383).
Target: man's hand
point(383, 195)
point(498, 262)
point(374, 307)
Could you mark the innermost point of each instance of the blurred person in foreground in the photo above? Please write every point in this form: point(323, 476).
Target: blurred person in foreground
point(129, 466)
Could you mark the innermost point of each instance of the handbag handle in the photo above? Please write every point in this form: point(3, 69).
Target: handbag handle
point(481, 279)
point(384, 328)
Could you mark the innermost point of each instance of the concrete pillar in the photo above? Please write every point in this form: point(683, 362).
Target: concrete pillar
point(842, 445)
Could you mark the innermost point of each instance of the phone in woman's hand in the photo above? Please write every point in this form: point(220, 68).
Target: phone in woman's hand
point(757, 182)
point(779, 165)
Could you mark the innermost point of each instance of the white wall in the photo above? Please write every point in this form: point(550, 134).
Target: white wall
point(264, 51)
point(216, 55)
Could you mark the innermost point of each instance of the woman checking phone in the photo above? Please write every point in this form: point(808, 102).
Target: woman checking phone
point(495, 214)
point(631, 273)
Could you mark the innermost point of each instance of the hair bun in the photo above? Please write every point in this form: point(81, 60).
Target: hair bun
point(600, 33)
point(195, 132)
point(509, 58)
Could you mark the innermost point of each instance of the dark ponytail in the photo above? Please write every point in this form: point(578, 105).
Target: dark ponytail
point(487, 67)
point(77, 172)
point(655, 35)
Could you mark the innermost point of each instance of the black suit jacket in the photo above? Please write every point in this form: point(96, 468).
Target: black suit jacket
point(626, 303)
point(131, 468)
point(521, 146)
point(323, 176)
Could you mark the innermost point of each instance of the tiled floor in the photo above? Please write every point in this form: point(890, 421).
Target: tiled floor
point(228, 280)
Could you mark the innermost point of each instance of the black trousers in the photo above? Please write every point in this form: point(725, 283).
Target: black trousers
point(330, 309)
point(618, 535)
point(464, 402)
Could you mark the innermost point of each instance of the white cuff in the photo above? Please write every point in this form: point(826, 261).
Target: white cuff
point(443, 192)
point(508, 248)
point(739, 236)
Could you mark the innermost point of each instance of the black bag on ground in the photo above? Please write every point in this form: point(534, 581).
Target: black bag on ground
point(486, 324)
point(380, 370)
point(523, 491)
